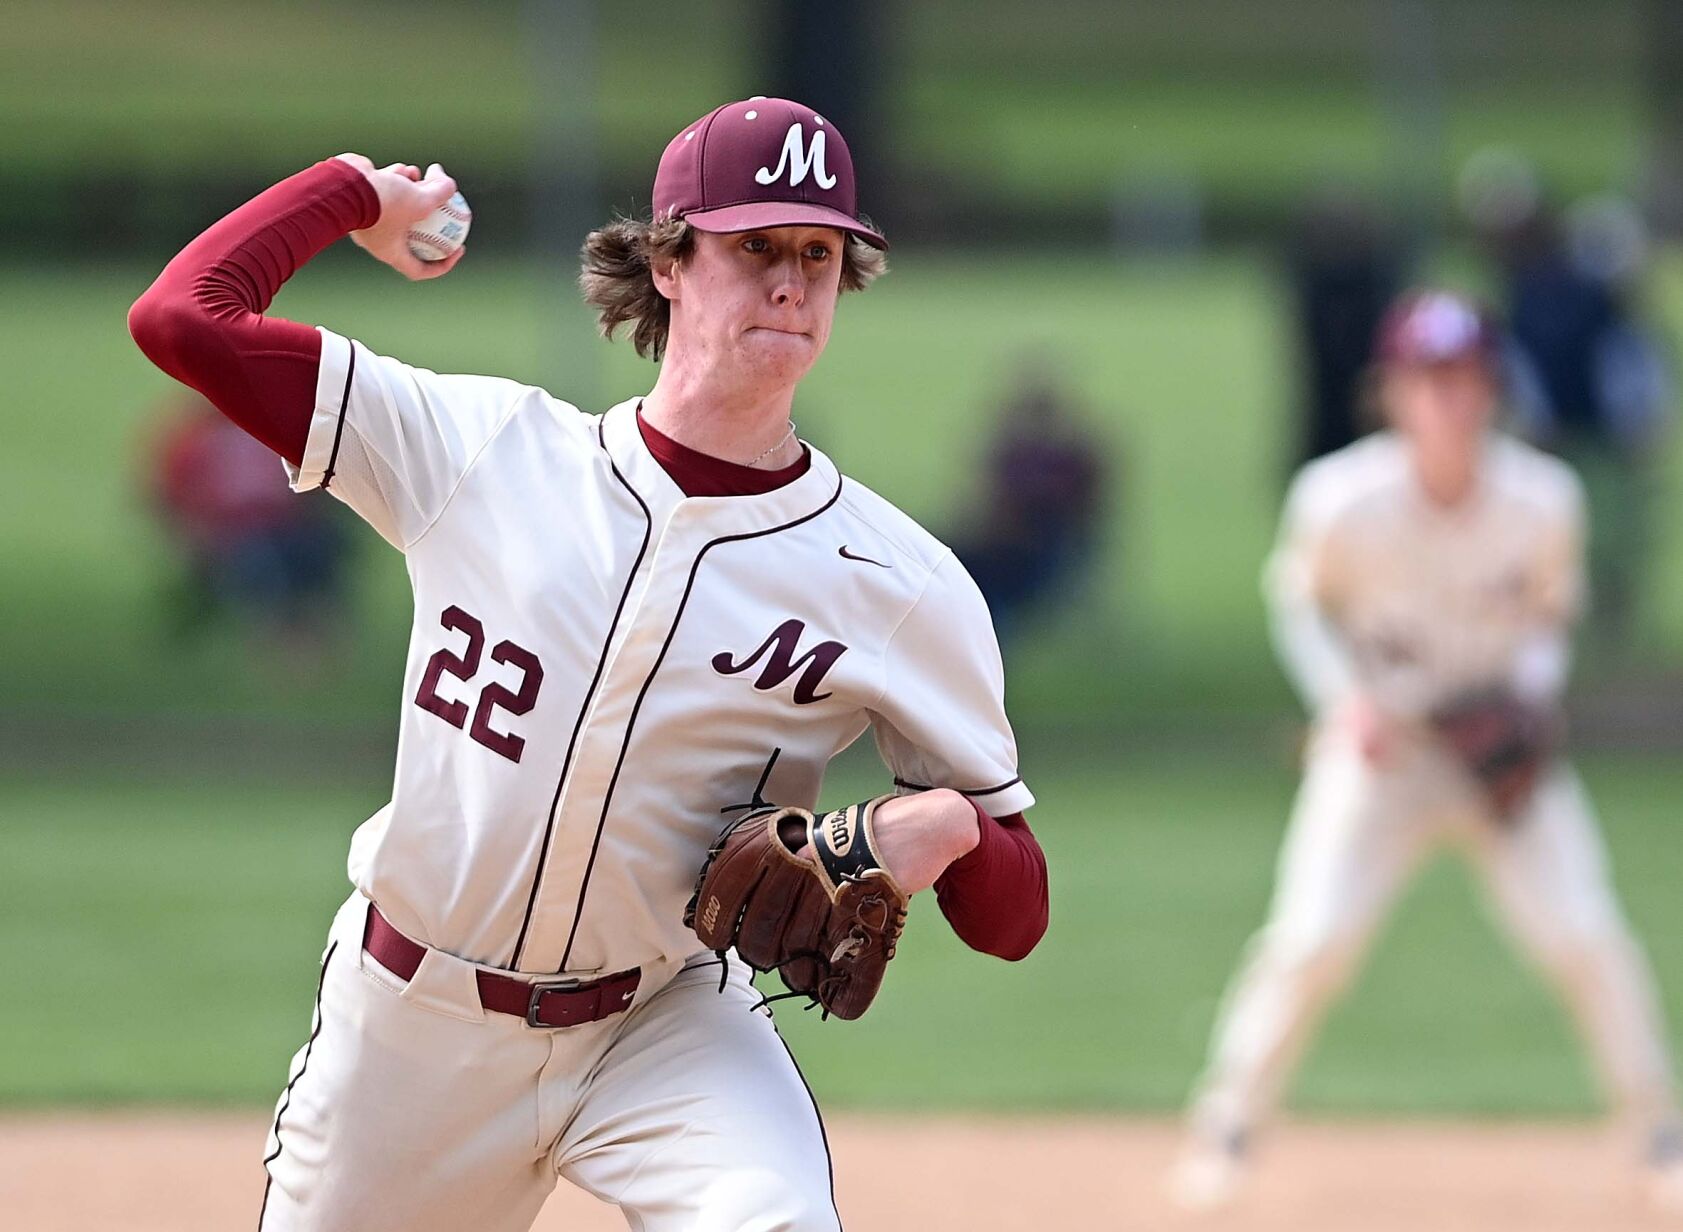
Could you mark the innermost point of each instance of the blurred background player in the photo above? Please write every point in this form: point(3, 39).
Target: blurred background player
point(1041, 495)
point(1344, 267)
point(1423, 563)
point(1592, 380)
point(248, 550)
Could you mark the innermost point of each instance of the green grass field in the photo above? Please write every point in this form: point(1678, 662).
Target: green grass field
point(162, 935)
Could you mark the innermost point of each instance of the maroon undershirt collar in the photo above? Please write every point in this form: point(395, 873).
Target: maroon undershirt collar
point(700, 474)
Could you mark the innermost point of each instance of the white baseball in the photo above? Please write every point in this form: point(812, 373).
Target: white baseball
point(441, 232)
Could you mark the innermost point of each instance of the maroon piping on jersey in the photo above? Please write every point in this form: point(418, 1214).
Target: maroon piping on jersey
point(339, 428)
point(631, 723)
point(823, 1135)
point(286, 1098)
point(584, 707)
point(976, 794)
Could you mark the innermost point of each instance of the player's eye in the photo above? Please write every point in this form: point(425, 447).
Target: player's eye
point(818, 252)
point(756, 244)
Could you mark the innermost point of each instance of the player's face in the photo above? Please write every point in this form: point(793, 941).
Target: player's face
point(760, 302)
point(1445, 405)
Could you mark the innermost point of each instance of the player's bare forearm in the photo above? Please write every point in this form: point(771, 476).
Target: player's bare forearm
point(922, 836)
point(989, 874)
point(919, 837)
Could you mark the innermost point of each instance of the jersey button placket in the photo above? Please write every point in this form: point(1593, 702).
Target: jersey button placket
point(582, 811)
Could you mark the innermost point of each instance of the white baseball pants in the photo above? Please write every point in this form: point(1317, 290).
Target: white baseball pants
point(1356, 832)
point(413, 1108)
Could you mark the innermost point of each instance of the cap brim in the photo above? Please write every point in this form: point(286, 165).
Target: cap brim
point(757, 214)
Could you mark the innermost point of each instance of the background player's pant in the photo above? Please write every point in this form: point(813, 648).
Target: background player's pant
point(1355, 834)
point(411, 1108)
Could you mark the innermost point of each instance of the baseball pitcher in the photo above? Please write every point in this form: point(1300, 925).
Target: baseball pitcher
point(639, 637)
point(1422, 592)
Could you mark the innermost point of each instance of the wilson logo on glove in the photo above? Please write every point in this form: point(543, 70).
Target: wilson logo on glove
point(838, 829)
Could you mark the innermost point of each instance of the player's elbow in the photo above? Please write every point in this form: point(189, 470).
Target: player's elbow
point(1013, 936)
point(1031, 927)
point(160, 326)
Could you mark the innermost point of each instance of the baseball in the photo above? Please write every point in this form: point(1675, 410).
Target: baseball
point(443, 231)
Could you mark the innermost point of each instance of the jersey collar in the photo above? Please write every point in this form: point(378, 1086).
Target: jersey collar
point(721, 515)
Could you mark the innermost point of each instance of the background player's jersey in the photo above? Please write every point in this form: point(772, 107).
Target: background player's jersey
point(599, 666)
point(1374, 587)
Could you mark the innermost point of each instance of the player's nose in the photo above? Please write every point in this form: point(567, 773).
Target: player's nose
point(788, 287)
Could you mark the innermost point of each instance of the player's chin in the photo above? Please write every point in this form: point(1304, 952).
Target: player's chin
point(781, 349)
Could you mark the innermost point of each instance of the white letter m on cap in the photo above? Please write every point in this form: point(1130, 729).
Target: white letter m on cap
point(800, 161)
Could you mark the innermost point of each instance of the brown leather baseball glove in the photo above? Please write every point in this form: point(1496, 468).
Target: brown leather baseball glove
point(827, 925)
point(1504, 742)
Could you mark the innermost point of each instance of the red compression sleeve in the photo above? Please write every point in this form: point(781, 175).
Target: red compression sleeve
point(202, 321)
point(995, 897)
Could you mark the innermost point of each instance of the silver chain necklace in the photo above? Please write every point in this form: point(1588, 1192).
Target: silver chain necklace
point(781, 441)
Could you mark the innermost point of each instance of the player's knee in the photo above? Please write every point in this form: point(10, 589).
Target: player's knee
point(1574, 941)
point(1322, 954)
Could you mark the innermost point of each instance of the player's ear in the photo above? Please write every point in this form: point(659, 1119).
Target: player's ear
point(664, 271)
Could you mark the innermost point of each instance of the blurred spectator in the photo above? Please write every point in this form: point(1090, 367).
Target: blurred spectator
point(1599, 387)
point(250, 547)
point(1042, 493)
point(1345, 270)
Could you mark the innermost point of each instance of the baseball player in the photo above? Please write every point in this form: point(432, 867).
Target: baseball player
point(1424, 565)
point(628, 627)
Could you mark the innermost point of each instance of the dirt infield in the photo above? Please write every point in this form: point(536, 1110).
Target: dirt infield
point(192, 1172)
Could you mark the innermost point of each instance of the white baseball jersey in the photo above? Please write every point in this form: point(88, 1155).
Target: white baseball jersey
point(600, 667)
point(1374, 586)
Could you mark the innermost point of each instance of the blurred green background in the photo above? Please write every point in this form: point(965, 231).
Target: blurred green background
point(174, 816)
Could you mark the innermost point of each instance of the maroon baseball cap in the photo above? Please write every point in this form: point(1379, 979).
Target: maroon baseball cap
point(765, 162)
point(1434, 327)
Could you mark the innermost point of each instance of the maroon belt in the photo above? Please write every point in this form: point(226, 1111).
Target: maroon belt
point(556, 1003)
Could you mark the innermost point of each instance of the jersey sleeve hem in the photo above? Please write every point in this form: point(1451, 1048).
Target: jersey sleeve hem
point(334, 374)
point(998, 800)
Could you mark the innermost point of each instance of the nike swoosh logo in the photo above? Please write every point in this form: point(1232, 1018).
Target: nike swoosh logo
point(846, 555)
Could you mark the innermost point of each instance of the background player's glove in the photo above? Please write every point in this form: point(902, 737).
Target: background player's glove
point(1504, 742)
point(827, 925)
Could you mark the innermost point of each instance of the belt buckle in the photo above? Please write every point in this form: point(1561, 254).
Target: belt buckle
point(538, 991)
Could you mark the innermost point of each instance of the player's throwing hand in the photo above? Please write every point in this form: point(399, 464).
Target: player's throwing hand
point(406, 197)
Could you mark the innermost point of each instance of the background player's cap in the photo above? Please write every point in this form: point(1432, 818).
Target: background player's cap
point(1434, 327)
point(766, 162)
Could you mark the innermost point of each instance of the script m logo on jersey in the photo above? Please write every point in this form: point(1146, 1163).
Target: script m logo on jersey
point(799, 160)
point(778, 651)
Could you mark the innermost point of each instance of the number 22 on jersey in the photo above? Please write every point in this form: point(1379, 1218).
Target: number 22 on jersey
point(494, 696)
